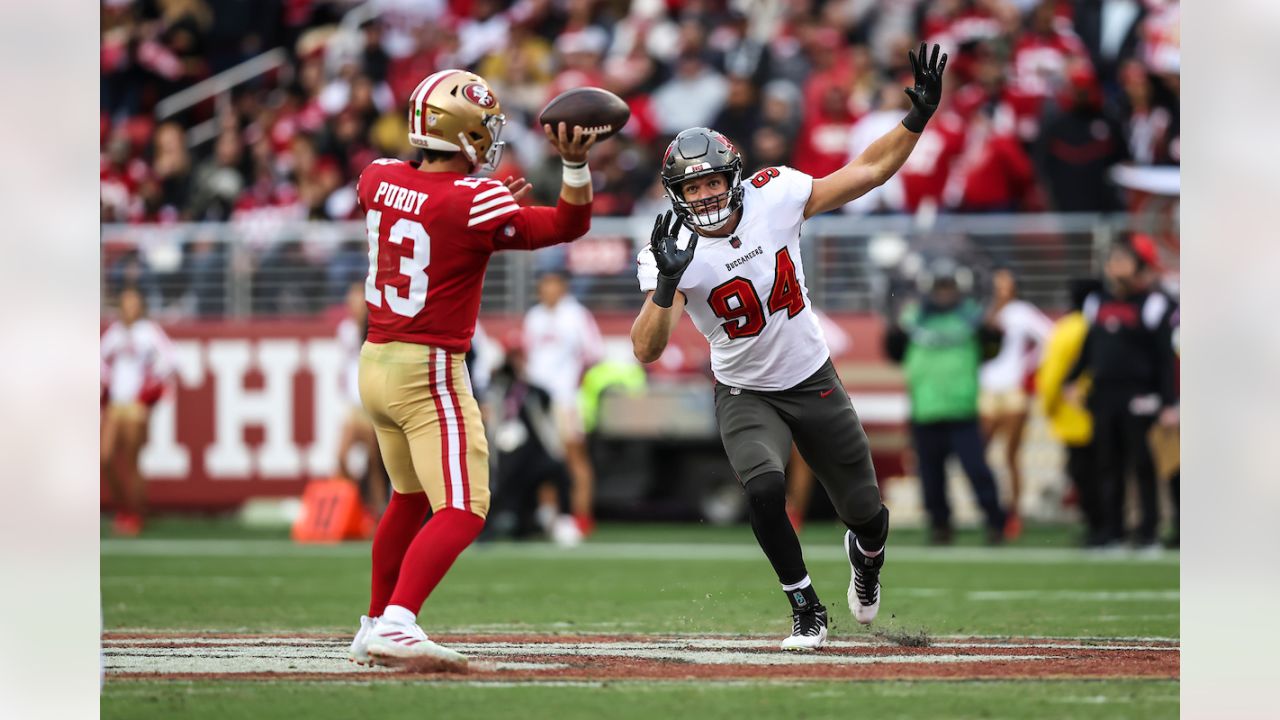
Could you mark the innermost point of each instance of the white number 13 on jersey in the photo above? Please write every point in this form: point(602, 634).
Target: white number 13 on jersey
point(414, 267)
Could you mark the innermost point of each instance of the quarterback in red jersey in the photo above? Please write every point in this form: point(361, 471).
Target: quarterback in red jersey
point(431, 230)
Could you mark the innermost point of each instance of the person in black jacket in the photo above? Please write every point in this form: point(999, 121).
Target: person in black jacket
point(528, 453)
point(1128, 353)
point(1078, 144)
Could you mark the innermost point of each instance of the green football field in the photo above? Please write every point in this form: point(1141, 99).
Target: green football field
point(207, 620)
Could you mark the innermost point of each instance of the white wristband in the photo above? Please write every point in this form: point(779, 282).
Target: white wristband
point(576, 176)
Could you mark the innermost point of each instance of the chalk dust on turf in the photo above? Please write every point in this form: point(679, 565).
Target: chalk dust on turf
point(586, 658)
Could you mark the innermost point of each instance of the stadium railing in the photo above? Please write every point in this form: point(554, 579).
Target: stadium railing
point(267, 267)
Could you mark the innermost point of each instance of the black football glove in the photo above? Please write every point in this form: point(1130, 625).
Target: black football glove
point(928, 88)
point(671, 260)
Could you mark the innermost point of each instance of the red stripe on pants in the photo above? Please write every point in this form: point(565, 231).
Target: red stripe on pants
point(462, 438)
point(443, 423)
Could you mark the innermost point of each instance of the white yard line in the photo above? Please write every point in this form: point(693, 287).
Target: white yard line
point(331, 659)
point(152, 547)
point(327, 656)
point(1083, 595)
point(301, 646)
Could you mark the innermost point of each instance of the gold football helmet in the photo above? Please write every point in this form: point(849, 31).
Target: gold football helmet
point(456, 111)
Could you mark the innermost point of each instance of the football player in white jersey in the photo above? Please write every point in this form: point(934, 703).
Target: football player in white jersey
point(741, 280)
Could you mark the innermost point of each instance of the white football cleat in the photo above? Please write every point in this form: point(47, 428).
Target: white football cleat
point(864, 583)
point(359, 653)
point(407, 647)
point(808, 629)
point(565, 532)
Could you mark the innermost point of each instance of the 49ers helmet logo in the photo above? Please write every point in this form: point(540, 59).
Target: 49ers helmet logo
point(479, 95)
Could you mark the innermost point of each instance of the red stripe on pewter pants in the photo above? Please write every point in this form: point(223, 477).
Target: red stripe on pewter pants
point(432, 553)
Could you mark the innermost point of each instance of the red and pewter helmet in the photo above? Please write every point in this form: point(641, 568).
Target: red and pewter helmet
point(457, 111)
point(699, 152)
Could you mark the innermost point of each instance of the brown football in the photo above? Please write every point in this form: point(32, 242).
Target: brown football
point(599, 112)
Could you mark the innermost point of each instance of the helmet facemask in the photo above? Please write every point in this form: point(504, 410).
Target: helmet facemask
point(707, 213)
point(493, 156)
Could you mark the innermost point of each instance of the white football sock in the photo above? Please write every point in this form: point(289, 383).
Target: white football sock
point(798, 586)
point(396, 615)
point(866, 552)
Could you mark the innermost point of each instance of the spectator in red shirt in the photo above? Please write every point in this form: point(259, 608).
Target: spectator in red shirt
point(1041, 57)
point(993, 174)
point(925, 174)
point(830, 65)
point(823, 143)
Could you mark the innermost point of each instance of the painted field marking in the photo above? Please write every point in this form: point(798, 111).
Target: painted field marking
point(558, 657)
point(149, 637)
point(1082, 595)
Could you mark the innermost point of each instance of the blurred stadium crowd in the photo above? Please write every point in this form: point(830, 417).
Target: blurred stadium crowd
point(1045, 96)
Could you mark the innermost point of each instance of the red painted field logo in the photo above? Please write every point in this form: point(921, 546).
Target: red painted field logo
point(532, 657)
point(479, 95)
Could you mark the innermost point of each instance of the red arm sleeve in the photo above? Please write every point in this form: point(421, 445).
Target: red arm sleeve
point(538, 227)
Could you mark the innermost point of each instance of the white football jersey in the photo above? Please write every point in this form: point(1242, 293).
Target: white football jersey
point(133, 355)
point(561, 342)
point(1026, 330)
point(746, 292)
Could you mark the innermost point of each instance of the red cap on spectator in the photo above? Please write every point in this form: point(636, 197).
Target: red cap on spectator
point(1145, 247)
point(139, 129)
point(1082, 82)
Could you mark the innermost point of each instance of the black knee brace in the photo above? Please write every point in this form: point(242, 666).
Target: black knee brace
point(873, 533)
point(768, 491)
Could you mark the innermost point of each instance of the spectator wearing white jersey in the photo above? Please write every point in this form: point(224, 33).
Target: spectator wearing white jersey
point(1004, 379)
point(137, 361)
point(562, 341)
point(357, 428)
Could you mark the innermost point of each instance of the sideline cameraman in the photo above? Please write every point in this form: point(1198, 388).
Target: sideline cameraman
point(941, 341)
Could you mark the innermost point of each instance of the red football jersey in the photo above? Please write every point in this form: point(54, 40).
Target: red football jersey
point(924, 175)
point(430, 238)
point(1040, 61)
